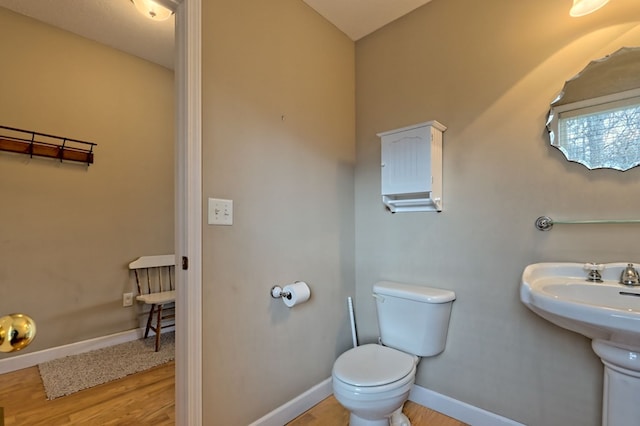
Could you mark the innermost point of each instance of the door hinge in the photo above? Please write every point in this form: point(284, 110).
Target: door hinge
point(185, 263)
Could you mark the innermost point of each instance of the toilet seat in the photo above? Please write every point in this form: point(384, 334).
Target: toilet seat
point(373, 365)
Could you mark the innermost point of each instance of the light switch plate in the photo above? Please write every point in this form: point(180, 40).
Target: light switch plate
point(220, 212)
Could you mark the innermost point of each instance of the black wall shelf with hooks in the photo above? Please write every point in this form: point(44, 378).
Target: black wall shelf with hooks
point(44, 145)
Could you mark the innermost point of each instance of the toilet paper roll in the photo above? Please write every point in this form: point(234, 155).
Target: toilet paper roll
point(300, 293)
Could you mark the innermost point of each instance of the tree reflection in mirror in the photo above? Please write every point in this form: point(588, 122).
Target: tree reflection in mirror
point(595, 121)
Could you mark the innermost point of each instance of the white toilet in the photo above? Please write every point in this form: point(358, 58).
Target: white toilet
point(373, 381)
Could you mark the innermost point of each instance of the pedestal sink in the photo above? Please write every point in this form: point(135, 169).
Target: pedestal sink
point(607, 312)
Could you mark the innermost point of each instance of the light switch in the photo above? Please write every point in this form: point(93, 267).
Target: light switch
point(220, 212)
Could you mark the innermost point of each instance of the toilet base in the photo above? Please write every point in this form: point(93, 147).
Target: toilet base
point(397, 419)
point(359, 421)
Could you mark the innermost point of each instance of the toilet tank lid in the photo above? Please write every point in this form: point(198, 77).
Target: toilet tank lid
point(414, 292)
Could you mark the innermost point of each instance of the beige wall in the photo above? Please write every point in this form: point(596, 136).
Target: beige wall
point(488, 70)
point(279, 129)
point(68, 231)
point(278, 139)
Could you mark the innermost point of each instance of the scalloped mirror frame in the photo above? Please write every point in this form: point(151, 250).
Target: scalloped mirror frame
point(602, 78)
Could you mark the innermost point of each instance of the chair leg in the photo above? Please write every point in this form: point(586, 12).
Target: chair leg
point(149, 319)
point(158, 327)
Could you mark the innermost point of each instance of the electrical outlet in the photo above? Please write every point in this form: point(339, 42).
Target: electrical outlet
point(220, 212)
point(127, 299)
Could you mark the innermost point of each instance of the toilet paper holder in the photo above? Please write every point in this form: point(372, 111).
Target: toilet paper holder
point(292, 294)
point(277, 292)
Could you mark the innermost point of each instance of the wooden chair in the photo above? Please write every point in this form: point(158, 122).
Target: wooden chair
point(155, 277)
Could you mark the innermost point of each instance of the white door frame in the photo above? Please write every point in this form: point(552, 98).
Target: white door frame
point(188, 211)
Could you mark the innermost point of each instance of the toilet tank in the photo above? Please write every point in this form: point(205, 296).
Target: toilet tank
point(412, 318)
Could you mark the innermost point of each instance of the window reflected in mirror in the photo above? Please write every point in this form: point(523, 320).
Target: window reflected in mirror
point(595, 121)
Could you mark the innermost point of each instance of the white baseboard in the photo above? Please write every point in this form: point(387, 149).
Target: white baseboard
point(457, 409)
point(27, 360)
point(292, 409)
point(451, 407)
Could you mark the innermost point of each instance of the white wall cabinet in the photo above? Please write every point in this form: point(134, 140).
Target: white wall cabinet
point(412, 168)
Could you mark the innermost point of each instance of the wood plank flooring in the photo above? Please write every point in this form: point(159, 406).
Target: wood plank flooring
point(145, 398)
point(330, 412)
point(140, 399)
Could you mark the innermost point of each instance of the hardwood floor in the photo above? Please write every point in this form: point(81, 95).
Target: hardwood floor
point(145, 398)
point(140, 399)
point(330, 412)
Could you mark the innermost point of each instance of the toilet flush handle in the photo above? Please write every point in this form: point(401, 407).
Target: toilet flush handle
point(378, 297)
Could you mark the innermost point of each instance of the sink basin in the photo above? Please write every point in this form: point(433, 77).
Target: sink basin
point(560, 293)
point(607, 312)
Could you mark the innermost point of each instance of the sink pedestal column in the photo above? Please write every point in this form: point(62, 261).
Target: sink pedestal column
point(621, 393)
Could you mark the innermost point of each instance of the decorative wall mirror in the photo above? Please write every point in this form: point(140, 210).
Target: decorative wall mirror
point(595, 121)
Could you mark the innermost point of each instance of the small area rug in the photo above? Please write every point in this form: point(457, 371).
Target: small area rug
point(71, 374)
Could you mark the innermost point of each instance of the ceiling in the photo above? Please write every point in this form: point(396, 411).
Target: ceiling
point(116, 23)
point(358, 18)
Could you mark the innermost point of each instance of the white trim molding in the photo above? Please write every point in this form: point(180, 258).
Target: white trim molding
point(292, 409)
point(427, 398)
point(188, 213)
point(30, 359)
point(457, 409)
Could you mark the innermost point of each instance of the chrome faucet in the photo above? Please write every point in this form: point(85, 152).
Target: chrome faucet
point(630, 276)
point(594, 269)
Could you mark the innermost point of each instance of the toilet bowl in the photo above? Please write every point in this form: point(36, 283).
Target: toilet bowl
point(373, 382)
